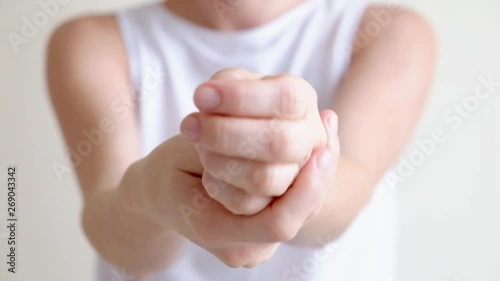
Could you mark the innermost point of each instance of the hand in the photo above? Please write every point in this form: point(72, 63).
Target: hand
point(253, 135)
point(173, 196)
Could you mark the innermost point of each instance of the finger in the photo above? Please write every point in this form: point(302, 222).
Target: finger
point(330, 122)
point(234, 199)
point(254, 177)
point(256, 139)
point(286, 215)
point(264, 255)
point(285, 97)
point(279, 221)
point(236, 73)
point(245, 254)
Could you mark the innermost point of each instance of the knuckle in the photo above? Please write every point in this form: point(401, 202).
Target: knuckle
point(210, 185)
point(281, 145)
point(240, 96)
point(288, 99)
point(264, 255)
point(232, 72)
point(206, 157)
point(231, 262)
point(262, 179)
point(241, 204)
point(229, 259)
point(235, 258)
point(203, 156)
point(254, 263)
point(221, 137)
point(251, 264)
point(294, 95)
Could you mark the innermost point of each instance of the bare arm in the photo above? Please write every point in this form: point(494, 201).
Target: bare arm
point(88, 73)
point(89, 83)
point(378, 105)
point(137, 209)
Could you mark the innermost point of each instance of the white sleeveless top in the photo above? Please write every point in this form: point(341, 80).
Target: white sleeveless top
point(170, 56)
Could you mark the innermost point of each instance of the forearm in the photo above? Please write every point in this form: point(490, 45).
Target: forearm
point(348, 193)
point(123, 236)
point(378, 104)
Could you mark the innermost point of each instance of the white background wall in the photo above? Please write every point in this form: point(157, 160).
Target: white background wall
point(450, 204)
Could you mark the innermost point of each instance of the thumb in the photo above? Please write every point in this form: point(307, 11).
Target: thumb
point(282, 219)
point(304, 198)
point(331, 123)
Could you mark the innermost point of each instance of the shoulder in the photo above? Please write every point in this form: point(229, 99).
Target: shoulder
point(85, 48)
point(395, 29)
point(88, 32)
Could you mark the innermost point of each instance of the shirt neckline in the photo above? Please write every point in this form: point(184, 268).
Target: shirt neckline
point(258, 32)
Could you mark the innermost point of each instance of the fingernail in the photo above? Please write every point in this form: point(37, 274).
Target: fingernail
point(207, 98)
point(190, 128)
point(333, 125)
point(323, 161)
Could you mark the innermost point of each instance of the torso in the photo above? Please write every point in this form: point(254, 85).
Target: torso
point(169, 56)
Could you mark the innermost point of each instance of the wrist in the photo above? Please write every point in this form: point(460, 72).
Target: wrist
point(126, 237)
point(132, 193)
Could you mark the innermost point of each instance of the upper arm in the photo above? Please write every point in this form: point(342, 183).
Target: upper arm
point(383, 92)
point(90, 89)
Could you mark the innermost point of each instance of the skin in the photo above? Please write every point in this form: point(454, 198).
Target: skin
point(132, 203)
point(284, 106)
